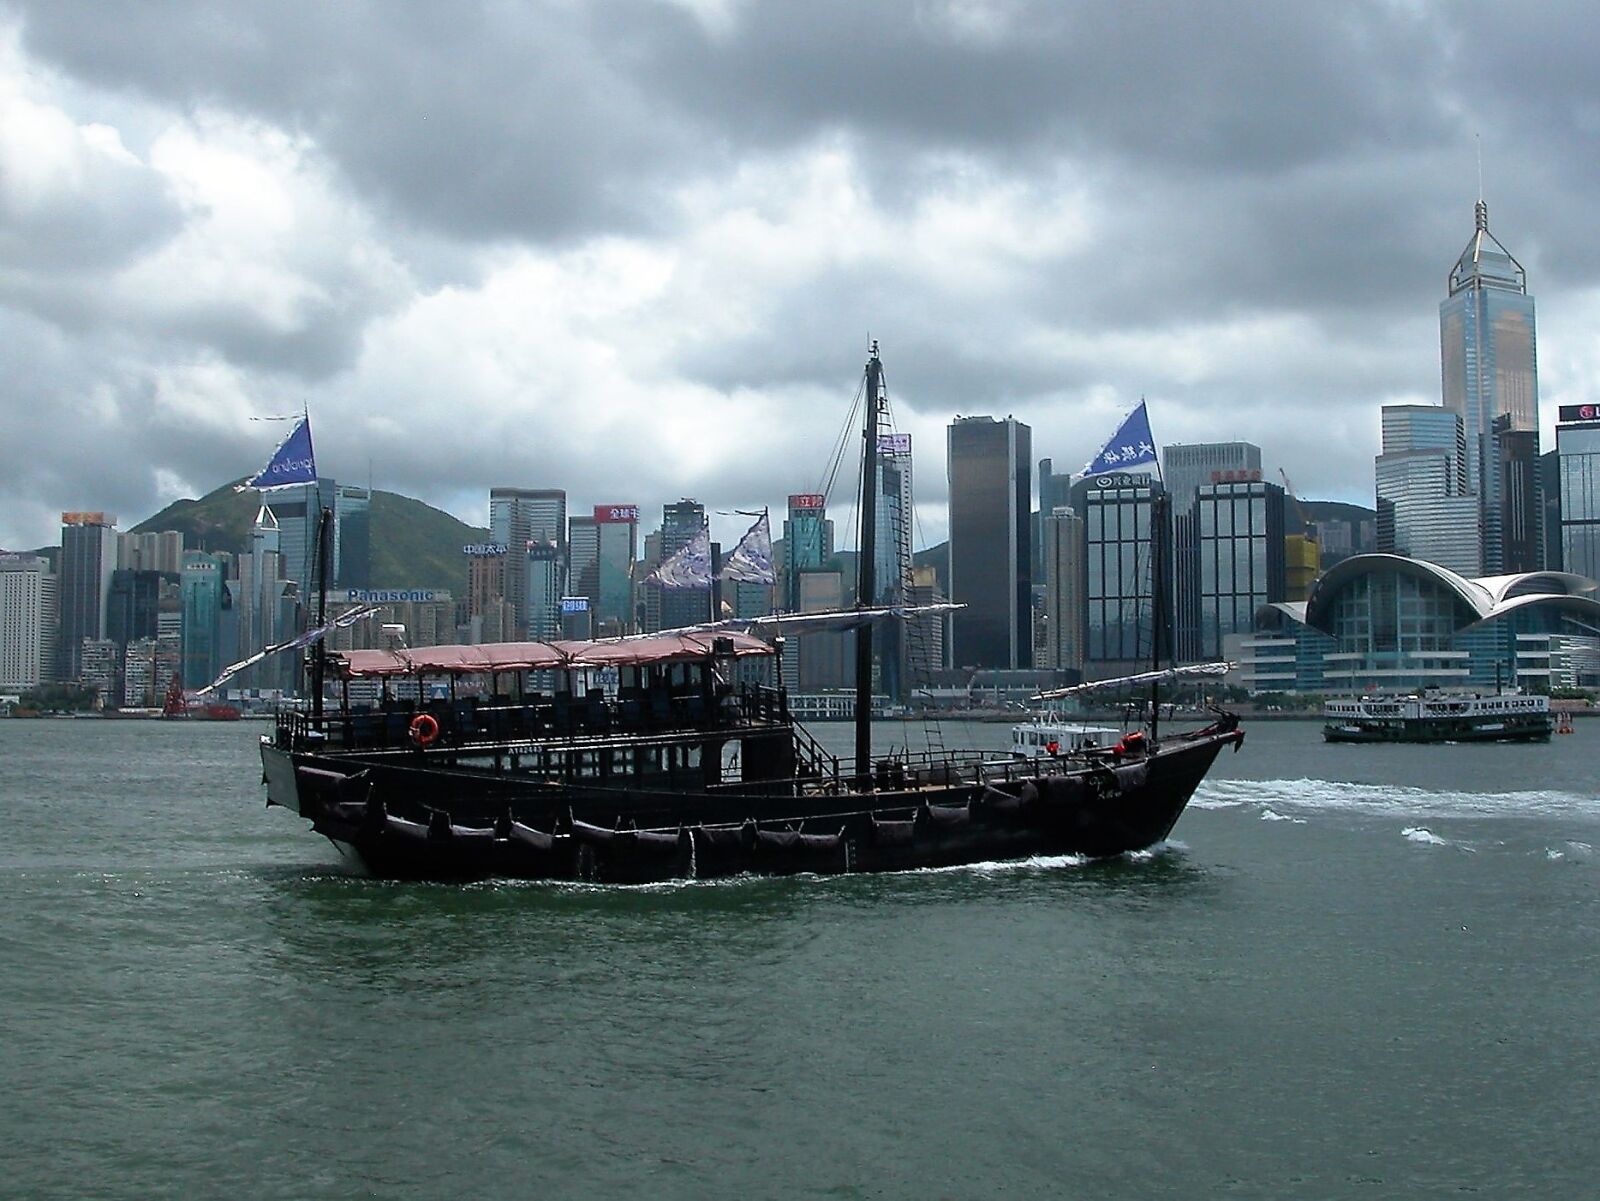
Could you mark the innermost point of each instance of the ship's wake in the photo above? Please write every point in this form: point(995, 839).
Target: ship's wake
point(1291, 800)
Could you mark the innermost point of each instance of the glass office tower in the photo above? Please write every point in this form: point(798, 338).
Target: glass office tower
point(1489, 371)
point(991, 556)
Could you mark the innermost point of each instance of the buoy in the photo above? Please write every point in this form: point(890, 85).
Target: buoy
point(424, 729)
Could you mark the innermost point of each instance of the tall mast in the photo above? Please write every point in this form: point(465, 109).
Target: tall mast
point(866, 584)
point(1158, 601)
point(319, 656)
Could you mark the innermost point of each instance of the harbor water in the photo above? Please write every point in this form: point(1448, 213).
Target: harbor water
point(1355, 972)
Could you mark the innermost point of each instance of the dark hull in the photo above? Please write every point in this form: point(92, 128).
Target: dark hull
point(421, 823)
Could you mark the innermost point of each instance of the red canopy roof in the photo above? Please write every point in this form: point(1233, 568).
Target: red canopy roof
point(541, 656)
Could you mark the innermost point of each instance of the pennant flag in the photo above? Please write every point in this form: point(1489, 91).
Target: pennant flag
point(688, 567)
point(1131, 446)
point(751, 560)
point(291, 465)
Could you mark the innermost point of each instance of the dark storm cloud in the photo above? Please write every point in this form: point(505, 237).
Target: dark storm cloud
point(1300, 175)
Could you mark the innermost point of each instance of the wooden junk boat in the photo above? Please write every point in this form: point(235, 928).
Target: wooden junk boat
point(690, 768)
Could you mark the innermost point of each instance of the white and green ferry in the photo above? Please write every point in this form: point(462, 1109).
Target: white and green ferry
point(1439, 717)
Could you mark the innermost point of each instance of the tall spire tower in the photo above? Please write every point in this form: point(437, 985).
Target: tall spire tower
point(1490, 378)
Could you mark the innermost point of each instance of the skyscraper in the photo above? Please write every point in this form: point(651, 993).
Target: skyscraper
point(353, 537)
point(1424, 509)
point(518, 516)
point(1578, 469)
point(88, 557)
point(1488, 366)
point(1064, 581)
point(1119, 588)
point(617, 546)
point(681, 521)
point(28, 621)
point(1240, 544)
point(807, 543)
point(1186, 467)
point(298, 513)
point(991, 556)
point(202, 585)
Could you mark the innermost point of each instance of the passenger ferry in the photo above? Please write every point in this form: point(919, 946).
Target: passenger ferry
point(1439, 717)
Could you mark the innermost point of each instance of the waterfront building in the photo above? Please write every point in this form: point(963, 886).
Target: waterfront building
point(1488, 355)
point(991, 557)
point(1549, 486)
point(616, 548)
point(1424, 508)
point(1119, 519)
point(427, 615)
point(353, 536)
point(201, 582)
point(892, 558)
point(544, 574)
point(297, 513)
point(135, 599)
point(583, 557)
point(1578, 474)
point(1385, 623)
point(28, 622)
point(672, 608)
point(161, 550)
point(489, 616)
point(1185, 467)
point(139, 674)
point(826, 660)
point(807, 543)
point(1240, 562)
point(88, 557)
point(517, 517)
point(1065, 584)
point(577, 618)
point(99, 667)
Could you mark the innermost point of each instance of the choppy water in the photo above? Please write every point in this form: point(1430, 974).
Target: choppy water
point(1357, 972)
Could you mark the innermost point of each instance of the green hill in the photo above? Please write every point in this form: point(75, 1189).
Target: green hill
point(414, 545)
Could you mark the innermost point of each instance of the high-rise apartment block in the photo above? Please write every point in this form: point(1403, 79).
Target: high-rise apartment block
point(990, 542)
point(28, 622)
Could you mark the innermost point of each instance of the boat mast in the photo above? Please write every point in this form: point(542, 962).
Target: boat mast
point(866, 584)
point(319, 657)
point(1158, 605)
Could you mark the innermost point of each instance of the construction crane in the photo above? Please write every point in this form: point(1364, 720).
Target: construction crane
point(1288, 486)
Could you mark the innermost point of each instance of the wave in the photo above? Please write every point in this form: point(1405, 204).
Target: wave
point(1427, 837)
point(1300, 796)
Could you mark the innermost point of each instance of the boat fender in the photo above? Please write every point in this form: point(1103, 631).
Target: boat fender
point(1132, 744)
point(424, 729)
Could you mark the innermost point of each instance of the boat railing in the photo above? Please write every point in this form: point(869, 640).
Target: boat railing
point(479, 721)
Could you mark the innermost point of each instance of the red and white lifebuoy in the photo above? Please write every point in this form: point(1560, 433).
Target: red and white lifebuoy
point(424, 729)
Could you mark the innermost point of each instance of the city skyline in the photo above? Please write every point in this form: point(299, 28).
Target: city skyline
point(685, 304)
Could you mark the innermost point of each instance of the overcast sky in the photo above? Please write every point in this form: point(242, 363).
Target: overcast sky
point(636, 249)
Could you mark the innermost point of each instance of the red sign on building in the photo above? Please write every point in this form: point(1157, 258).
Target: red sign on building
point(807, 500)
point(616, 514)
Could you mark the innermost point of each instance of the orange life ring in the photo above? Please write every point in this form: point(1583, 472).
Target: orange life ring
point(424, 729)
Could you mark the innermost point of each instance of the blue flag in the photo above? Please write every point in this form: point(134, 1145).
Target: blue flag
point(1131, 446)
point(291, 465)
